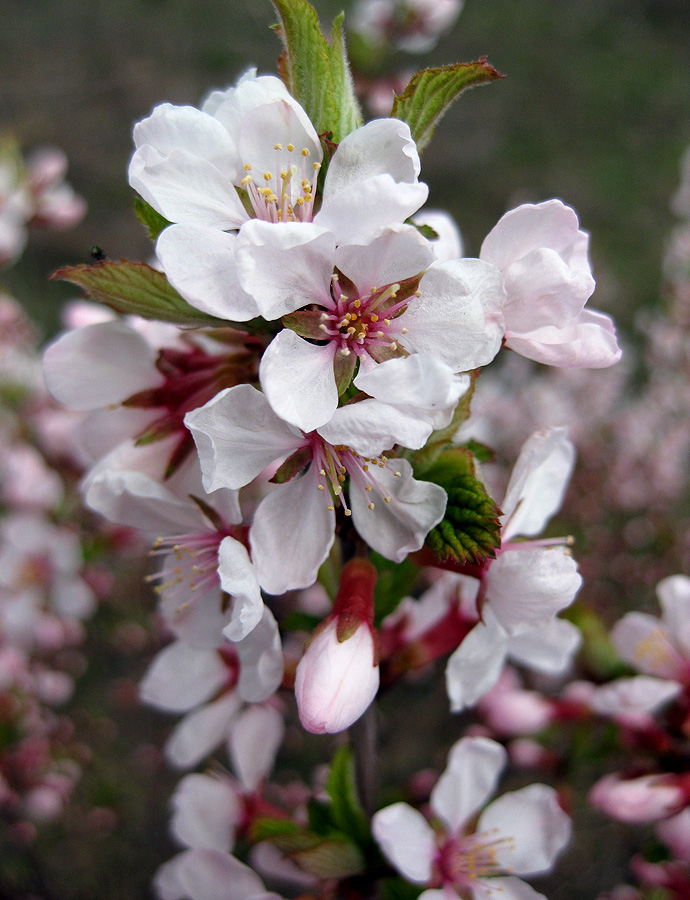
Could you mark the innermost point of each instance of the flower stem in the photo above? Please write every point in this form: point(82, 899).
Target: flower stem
point(364, 741)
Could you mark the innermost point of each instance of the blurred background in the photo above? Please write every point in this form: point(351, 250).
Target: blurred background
point(595, 110)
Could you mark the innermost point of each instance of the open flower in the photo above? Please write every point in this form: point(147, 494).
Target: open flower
point(238, 436)
point(520, 833)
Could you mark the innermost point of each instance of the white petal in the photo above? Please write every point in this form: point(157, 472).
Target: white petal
point(181, 677)
point(588, 342)
point(538, 482)
point(184, 188)
point(171, 128)
point(400, 526)
point(639, 694)
point(200, 732)
point(470, 778)
point(207, 875)
point(198, 620)
point(369, 427)
point(647, 644)
point(237, 435)
point(549, 648)
point(200, 263)
point(255, 739)
point(238, 579)
point(298, 379)
point(674, 595)
point(526, 588)
point(448, 245)
point(99, 364)
point(399, 253)
point(534, 826)
point(474, 667)
point(458, 317)
point(509, 888)
point(206, 811)
point(261, 661)
point(406, 839)
point(285, 266)
point(292, 534)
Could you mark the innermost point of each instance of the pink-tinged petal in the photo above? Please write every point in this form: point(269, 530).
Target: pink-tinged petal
point(674, 595)
point(550, 224)
point(470, 778)
point(538, 482)
point(637, 800)
point(509, 888)
point(181, 677)
point(639, 694)
point(238, 580)
point(458, 316)
point(533, 826)
point(100, 364)
point(399, 526)
point(675, 833)
point(647, 644)
point(473, 668)
point(127, 487)
point(232, 105)
point(399, 253)
point(407, 841)
point(549, 648)
point(206, 812)
point(255, 739)
point(285, 266)
point(336, 681)
point(385, 202)
point(526, 588)
point(369, 427)
point(184, 188)
point(588, 342)
point(292, 534)
point(207, 875)
point(298, 380)
point(261, 661)
point(196, 620)
point(200, 732)
point(200, 263)
point(238, 435)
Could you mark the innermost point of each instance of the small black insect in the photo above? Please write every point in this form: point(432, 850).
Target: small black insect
point(98, 253)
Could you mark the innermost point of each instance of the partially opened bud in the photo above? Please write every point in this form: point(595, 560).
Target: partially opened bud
point(338, 676)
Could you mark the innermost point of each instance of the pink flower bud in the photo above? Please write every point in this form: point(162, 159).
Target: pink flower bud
point(643, 799)
point(338, 676)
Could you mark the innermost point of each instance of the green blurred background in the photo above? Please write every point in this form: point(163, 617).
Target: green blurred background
point(595, 109)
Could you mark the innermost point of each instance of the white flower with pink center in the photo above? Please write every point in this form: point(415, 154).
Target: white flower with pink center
point(238, 436)
point(520, 833)
point(351, 306)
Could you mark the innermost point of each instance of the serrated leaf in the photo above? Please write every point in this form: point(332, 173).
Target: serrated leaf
point(315, 71)
point(150, 218)
point(134, 288)
point(440, 440)
point(431, 92)
point(346, 809)
point(470, 531)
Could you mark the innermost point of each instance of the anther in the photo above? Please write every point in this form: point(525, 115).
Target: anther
point(290, 148)
point(247, 167)
point(404, 331)
point(320, 487)
point(371, 506)
point(268, 176)
point(305, 152)
point(348, 512)
point(277, 146)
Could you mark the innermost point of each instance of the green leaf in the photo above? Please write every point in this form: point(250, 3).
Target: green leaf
point(397, 889)
point(134, 288)
point(430, 93)
point(152, 220)
point(330, 858)
point(315, 71)
point(443, 438)
point(346, 811)
point(470, 531)
point(320, 817)
point(395, 581)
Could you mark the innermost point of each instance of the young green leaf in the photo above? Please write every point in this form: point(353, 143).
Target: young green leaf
point(134, 288)
point(470, 531)
point(152, 220)
point(430, 93)
point(346, 810)
point(315, 71)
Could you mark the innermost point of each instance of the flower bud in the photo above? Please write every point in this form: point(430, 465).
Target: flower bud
point(644, 799)
point(338, 676)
